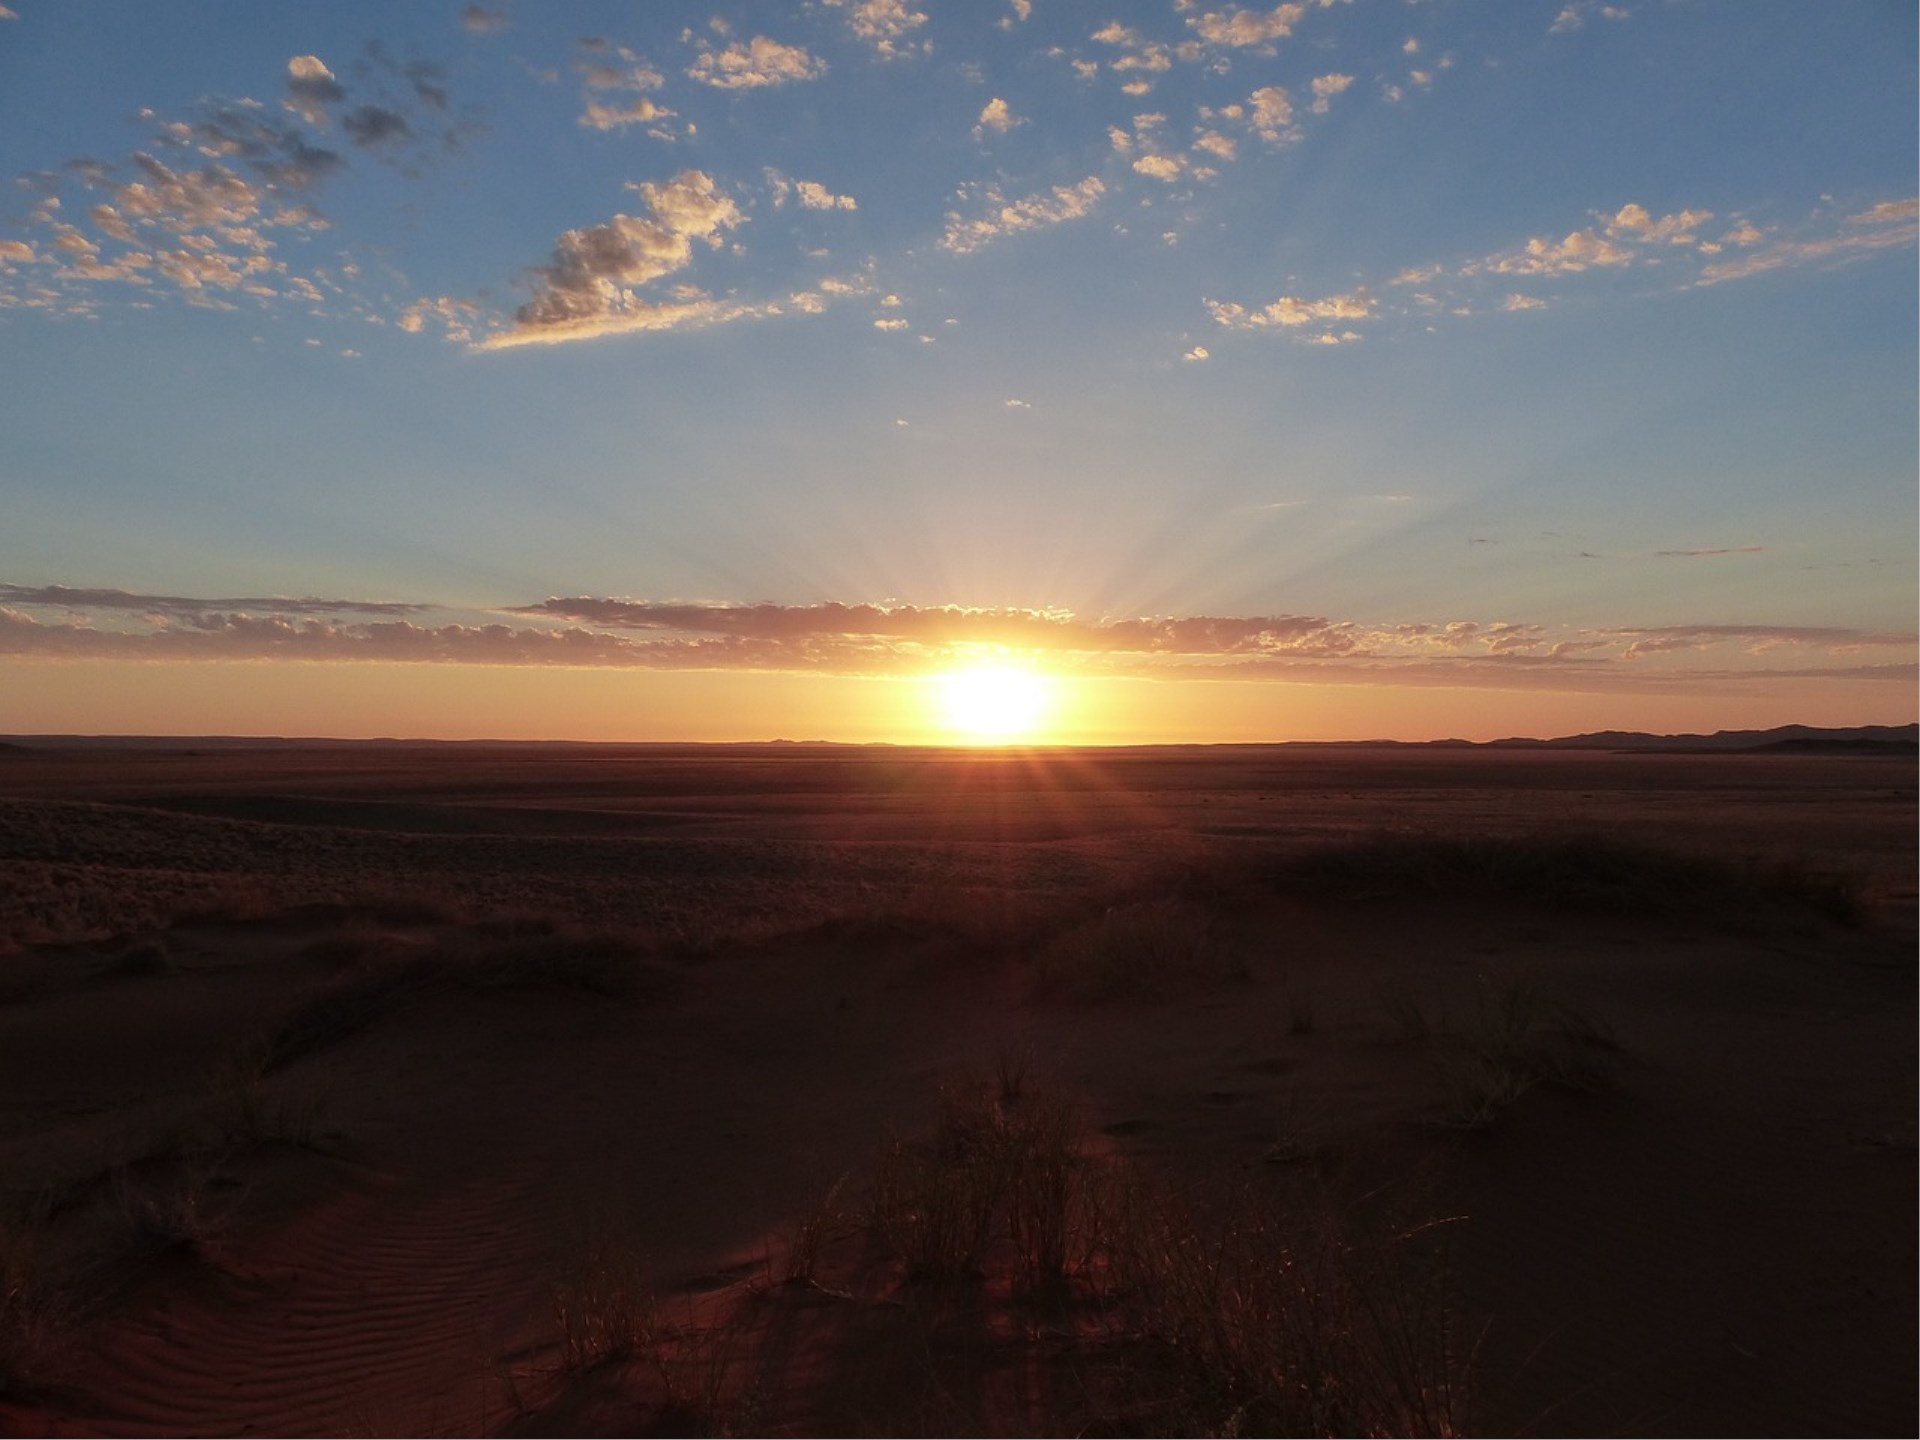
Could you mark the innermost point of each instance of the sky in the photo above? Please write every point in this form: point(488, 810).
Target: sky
point(728, 371)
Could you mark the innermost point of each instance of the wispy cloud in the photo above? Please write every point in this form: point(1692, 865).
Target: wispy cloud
point(478, 20)
point(1712, 550)
point(1000, 216)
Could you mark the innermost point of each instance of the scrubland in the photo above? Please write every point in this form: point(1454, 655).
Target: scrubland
point(798, 1090)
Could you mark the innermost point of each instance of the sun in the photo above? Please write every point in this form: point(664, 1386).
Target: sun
point(994, 704)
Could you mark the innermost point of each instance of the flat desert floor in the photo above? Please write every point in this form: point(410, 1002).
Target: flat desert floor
point(794, 1089)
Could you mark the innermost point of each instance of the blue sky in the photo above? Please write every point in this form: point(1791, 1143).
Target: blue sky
point(1502, 350)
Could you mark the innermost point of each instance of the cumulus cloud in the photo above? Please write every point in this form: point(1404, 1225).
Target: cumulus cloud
point(1522, 302)
point(614, 115)
point(751, 64)
point(884, 24)
point(1325, 87)
point(1271, 110)
point(1247, 27)
point(995, 115)
point(1032, 212)
point(586, 289)
point(1198, 352)
point(1165, 168)
point(311, 88)
point(815, 196)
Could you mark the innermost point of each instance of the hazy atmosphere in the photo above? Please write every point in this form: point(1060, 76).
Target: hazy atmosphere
point(696, 372)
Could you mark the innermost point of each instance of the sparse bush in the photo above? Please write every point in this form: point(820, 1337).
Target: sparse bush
point(1512, 1041)
point(1146, 947)
point(143, 958)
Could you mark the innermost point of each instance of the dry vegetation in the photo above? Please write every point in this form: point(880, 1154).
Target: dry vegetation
point(1280, 1119)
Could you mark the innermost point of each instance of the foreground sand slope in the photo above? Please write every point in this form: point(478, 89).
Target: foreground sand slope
point(326, 1169)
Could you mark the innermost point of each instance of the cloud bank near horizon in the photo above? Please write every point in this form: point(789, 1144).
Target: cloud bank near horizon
point(61, 622)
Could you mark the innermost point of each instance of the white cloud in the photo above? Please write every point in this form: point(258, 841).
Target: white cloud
point(1221, 147)
point(1579, 251)
point(815, 196)
point(1522, 302)
point(1325, 87)
point(641, 110)
point(1165, 168)
point(311, 87)
point(1198, 352)
point(1248, 27)
point(750, 64)
point(996, 116)
point(1272, 110)
point(1290, 311)
point(1031, 212)
point(884, 24)
point(1018, 405)
point(889, 323)
point(1633, 222)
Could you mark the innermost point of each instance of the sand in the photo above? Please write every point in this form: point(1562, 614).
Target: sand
point(457, 1028)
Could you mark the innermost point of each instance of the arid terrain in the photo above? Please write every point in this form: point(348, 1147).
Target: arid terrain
point(799, 1089)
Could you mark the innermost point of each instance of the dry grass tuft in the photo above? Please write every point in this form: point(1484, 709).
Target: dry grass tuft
point(1154, 947)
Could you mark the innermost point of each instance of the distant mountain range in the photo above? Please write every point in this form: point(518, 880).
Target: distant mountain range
point(1783, 739)
point(1804, 738)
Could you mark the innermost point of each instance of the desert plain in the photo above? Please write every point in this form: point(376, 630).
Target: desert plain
point(793, 1089)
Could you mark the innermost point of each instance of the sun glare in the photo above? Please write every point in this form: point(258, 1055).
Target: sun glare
point(989, 704)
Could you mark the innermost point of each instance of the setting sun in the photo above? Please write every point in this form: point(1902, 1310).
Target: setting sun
point(985, 704)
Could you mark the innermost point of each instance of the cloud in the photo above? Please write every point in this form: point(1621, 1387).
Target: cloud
point(1716, 550)
point(884, 24)
point(478, 20)
point(1325, 87)
point(1573, 15)
point(1022, 12)
point(1634, 222)
point(1289, 311)
point(1889, 225)
point(996, 116)
point(1272, 111)
point(1522, 302)
point(1887, 212)
point(1198, 352)
point(66, 597)
point(751, 64)
point(1221, 147)
point(1580, 250)
point(585, 289)
point(370, 125)
point(895, 638)
point(1165, 168)
point(815, 196)
point(311, 87)
point(1241, 28)
point(640, 110)
point(1031, 212)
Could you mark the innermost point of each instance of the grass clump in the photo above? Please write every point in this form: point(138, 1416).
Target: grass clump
point(1512, 1040)
point(1143, 948)
point(1274, 1313)
point(1000, 1165)
point(34, 1318)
